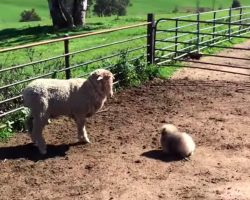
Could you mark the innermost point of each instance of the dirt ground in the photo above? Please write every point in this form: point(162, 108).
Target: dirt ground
point(124, 160)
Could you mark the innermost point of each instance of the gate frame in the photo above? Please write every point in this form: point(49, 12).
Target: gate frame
point(243, 28)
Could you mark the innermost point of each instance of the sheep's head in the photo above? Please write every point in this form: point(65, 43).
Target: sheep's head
point(104, 79)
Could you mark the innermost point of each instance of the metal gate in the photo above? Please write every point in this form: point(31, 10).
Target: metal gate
point(189, 37)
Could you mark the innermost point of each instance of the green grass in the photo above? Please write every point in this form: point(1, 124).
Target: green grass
point(13, 32)
point(5, 133)
point(11, 9)
point(167, 72)
point(142, 7)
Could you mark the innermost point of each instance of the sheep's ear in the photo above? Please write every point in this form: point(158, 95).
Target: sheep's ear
point(99, 78)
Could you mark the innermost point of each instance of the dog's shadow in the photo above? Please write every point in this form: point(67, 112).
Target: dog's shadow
point(30, 152)
point(159, 155)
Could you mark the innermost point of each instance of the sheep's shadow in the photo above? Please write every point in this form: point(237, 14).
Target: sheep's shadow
point(159, 155)
point(30, 152)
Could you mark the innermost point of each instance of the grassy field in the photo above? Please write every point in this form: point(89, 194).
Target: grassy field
point(13, 32)
point(143, 7)
point(11, 9)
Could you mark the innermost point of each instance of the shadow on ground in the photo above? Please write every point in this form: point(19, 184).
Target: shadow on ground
point(30, 152)
point(159, 155)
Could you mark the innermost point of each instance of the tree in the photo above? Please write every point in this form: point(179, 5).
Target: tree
point(90, 3)
point(197, 6)
point(176, 9)
point(110, 7)
point(67, 13)
point(236, 4)
point(89, 7)
point(213, 5)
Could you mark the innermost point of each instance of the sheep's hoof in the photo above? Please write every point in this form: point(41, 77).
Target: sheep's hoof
point(35, 144)
point(43, 151)
point(186, 159)
point(84, 141)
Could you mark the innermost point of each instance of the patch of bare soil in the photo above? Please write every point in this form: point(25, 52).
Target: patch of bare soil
point(124, 160)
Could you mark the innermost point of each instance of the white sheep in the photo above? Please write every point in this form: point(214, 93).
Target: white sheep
point(175, 142)
point(76, 98)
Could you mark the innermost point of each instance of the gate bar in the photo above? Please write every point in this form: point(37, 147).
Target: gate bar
point(208, 45)
point(205, 54)
point(190, 32)
point(217, 70)
point(214, 64)
point(203, 21)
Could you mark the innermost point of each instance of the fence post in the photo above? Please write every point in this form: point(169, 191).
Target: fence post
point(214, 23)
point(150, 39)
point(66, 57)
point(229, 23)
point(176, 37)
point(240, 20)
point(198, 33)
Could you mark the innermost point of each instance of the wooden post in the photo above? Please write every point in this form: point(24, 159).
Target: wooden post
point(198, 33)
point(151, 39)
point(240, 20)
point(214, 23)
point(176, 37)
point(229, 23)
point(66, 57)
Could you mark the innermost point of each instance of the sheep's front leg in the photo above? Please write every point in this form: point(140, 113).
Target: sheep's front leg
point(36, 135)
point(81, 129)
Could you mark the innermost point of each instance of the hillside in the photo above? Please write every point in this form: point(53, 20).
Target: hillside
point(11, 9)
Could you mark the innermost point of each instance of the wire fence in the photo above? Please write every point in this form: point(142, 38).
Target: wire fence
point(65, 58)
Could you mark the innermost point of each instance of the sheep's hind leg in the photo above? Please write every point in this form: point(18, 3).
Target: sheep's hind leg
point(29, 127)
point(36, 135)
point(82, 133)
